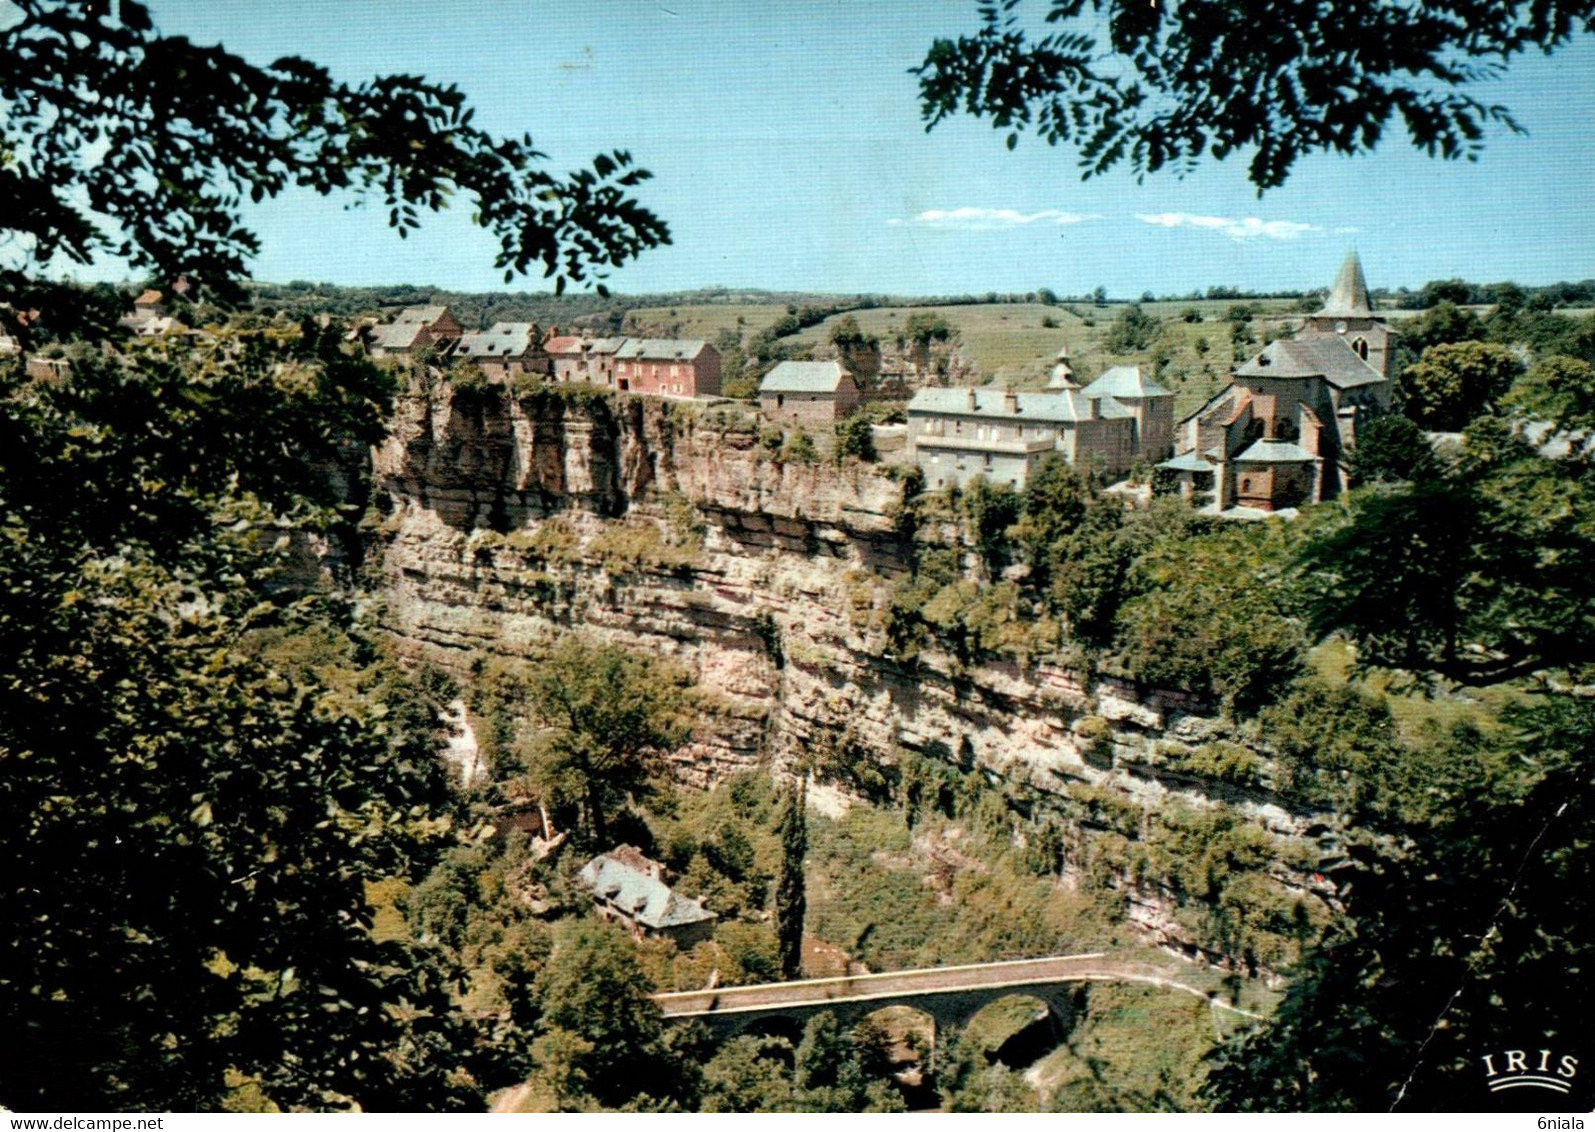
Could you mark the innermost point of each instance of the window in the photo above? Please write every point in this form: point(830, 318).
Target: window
point(1361, 346)
point(1246, 486)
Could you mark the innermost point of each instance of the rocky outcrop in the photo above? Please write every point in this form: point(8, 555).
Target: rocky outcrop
point(677, 530)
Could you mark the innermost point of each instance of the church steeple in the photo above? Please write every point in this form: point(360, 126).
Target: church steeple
point(1348, 298)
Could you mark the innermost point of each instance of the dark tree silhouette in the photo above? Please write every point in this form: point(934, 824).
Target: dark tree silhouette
point(790, 901)
point(118, 140)
point(1164, 85)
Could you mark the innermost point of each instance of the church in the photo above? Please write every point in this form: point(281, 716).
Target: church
point(1277, 437)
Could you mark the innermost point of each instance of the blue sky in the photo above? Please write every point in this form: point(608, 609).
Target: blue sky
point(788, 153)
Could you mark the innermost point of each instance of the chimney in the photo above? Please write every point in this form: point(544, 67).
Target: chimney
point(1010, 402)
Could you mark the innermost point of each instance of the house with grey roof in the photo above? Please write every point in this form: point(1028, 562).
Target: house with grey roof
point(579, 357)
point(1150, 406)
point(811, 393)
point(670, 367)
point(504, 350)
point(1278, 436)
point(629, 889)
point(1003, 435)
point(413, 328)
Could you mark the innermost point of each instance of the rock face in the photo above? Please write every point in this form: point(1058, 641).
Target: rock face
point(674, 530)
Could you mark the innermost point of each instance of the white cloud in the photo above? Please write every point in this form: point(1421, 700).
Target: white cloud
point(1248, 228)
point(971, 219)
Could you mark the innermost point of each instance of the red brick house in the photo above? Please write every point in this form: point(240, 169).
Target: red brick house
point(669, 367)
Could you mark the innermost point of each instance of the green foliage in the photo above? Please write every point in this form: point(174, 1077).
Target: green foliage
point(789, 889)
point(1558, 390)
point(1452, 384)
point(1078, 548)
point(606, 719)
point(798, 448)
point(1442, 324)
point(855, 437)
point(1167, 89)
point(846, 335)
point(397, 139)
point(1475, 576)
point(638, 545)
point(1332, 745)
point(1132, 331)
point(969, 1082)
point(1392, 450)
point(593, 989)
point(468, 378)
point(199, 822)
point(922, 328)
point(1221, 761)
point(988, 513)
point(1211, 615)
point(1387, 1011)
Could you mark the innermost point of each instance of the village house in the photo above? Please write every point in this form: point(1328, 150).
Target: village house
point(811, 393)
point(413, 329)
point(579, 358)
point(671, 367)
point(1151, 409)
point(956, 435)
point(1277, 437)
point(629, 889)
point(504, 351)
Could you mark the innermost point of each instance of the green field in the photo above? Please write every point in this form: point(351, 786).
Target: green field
point(704, 321)
point(1013, 343)
point(1010, 345)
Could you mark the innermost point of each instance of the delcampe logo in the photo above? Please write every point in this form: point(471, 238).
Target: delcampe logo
point(1523, 1069)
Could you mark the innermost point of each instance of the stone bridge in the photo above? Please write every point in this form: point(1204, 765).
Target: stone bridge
point(950, 996)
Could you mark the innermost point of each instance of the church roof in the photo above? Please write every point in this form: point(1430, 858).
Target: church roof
point(1188, 462)
point(1275, 452)
point(1330, 358)
point(1348, 298)
point(1127, 382)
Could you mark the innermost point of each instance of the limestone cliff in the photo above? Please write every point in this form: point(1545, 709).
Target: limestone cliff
point(676, 530)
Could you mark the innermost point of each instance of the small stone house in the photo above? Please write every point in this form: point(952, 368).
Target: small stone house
point(808, 393)
point(669, 367)
point(578, 358)
point(503, 351)
point(414, 328)
point(1151, 408)
point(629, 889)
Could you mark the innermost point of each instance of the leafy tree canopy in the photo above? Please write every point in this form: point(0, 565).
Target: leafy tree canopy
point(1453, 383)
point(605, 718)
point(192, 817)
point(118, 140)
point(1157, 86)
